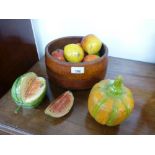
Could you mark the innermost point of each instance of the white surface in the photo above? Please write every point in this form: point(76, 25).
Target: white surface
point(119, 24)
point(130, 39)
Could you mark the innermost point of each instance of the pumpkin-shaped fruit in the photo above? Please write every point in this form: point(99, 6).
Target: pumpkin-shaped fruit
point(110, 102)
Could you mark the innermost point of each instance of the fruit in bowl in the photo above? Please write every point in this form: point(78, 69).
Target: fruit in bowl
point(73, 53)
point(79, 75)
point(58, 54)
point(80, 51)
point(90, 58)
point(91, 44)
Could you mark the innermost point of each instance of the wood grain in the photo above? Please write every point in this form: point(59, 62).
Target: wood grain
point(138, 76)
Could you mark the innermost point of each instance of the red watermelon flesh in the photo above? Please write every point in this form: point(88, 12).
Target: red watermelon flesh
point(61, 105)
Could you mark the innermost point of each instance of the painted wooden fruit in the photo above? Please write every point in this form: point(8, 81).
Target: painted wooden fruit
point(58, 54)
point(28, 90)
point(91, 44)
point(90, 58)
point(73, 53)
point(61, 105)
point(110, 102)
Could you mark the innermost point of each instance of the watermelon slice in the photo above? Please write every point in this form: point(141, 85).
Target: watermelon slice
point(61, 105)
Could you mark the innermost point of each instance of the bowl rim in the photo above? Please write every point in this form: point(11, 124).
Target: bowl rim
point(70, 63)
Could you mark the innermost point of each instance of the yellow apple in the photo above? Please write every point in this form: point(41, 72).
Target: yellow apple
point(73, 53)
point(91, 44)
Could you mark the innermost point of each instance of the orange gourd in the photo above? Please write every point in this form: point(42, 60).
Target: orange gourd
point(110, 102)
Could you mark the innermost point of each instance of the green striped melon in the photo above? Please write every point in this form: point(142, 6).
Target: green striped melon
point(110, 102)
point(28, 90)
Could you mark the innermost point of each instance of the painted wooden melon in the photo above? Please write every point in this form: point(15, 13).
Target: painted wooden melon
point(110, 102)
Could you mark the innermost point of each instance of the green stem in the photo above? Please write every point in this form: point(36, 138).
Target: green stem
point(118, 82)
point(116, 87)
point(17, 110)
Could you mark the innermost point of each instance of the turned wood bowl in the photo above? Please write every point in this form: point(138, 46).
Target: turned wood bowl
point(78, 76)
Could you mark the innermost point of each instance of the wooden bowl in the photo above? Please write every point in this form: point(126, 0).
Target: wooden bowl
point(68, 75)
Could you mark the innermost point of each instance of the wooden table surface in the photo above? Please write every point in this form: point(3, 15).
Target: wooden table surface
point(138, 76)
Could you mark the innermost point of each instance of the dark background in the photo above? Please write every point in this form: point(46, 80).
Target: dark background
point(17, 50)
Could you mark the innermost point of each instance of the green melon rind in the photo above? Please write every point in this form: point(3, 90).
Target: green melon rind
point(16, 92)
point(13, 91)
